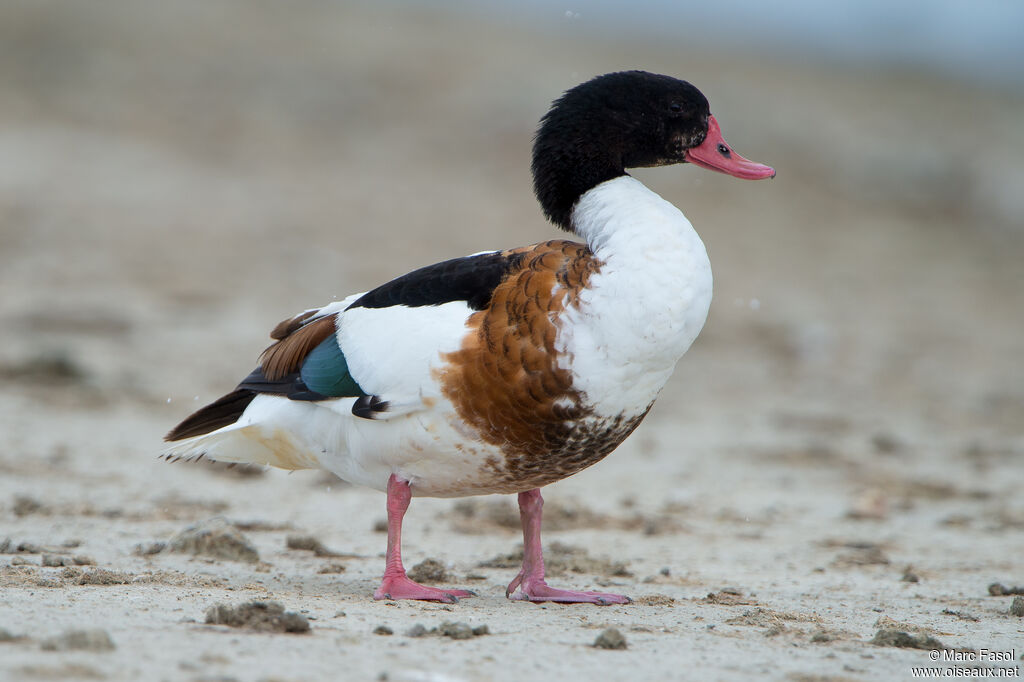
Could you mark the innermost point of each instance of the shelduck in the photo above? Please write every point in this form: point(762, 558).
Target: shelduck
point(504, 371)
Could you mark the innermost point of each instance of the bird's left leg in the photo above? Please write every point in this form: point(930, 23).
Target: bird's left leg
point(530, 581)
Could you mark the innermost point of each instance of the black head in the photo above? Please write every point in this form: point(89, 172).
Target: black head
point(629, 119)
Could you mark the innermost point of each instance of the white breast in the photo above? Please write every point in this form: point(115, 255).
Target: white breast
point(646, 305)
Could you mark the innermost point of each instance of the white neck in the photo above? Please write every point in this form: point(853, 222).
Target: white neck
point(647, 303)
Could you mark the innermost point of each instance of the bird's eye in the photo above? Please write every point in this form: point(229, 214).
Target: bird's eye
point(675, 107)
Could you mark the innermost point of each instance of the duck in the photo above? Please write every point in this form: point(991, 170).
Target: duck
point(504, 371)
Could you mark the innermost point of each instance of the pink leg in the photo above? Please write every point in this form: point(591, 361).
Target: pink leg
point(530, 580)
point(396, 584)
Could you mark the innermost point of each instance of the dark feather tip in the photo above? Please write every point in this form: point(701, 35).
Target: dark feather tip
point(369, 406)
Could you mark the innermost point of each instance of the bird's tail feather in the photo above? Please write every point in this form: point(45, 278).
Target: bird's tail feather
point(244, 444)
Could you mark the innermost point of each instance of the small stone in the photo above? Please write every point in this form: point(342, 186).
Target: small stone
point(5, 546)
point(149, 548)
point(6, 636)
point(886, 443)
point(961, 615)
point(455, 630)
point(861, 554)
point(25, 505)
point(909, 576)
point(80, 640)
point(730, 596)
point(332, 567)
point(610, 639)
point(1000, 590)
point(308, 542)
point(428, 571)
point(215, 538)
point(417, 630)
point(905, 640)
point(259, 616)
point(56, 560)
point(1017, 607)
point(383, 630)
point(82, 560)
point(380, 526)
point(481, 630)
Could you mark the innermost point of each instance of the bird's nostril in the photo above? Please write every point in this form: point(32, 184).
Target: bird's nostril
point(723, 150)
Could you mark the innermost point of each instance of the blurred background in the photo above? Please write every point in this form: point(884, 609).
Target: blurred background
point(177, 177)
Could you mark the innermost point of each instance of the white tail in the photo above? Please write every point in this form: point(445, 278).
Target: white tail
point(248, 444)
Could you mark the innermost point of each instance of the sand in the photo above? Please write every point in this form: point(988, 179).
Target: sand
point(831, 480)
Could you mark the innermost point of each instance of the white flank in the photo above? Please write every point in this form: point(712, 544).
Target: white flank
point(392, 351)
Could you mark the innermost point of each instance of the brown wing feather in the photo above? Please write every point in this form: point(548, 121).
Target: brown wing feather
point(286, 327)
point(286, 356)
point(506, 380)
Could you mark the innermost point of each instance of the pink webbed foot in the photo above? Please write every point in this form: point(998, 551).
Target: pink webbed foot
point(530, 581)
point(539, 590)
point(401, 587)
point(396, 584)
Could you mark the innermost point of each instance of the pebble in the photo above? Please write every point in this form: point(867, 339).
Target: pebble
point(310, 543)
point(80, 640)
point(999, 590)
point(215, 538)
point(455, 630)
point(258, 615)
point(905, 640)
point(610, 639)
point(150, 548)
point(428, 571)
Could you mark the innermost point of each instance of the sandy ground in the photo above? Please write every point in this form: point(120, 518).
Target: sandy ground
point(838, 456)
